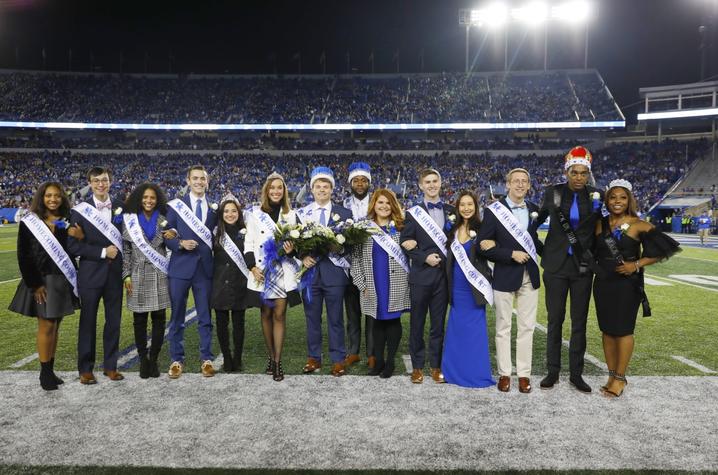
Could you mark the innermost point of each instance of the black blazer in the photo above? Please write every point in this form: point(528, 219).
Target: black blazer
point(34, 262)
point(229, 285)
point(555, 250)
point(478, 261)
point(508, 274)
point(419, 271)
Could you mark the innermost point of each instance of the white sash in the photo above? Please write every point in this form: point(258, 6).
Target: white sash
point(95, 218)
point(474, 277)
point(512, 225)
point(52, 246)
point(234, 253)
point(391, 248)
point(429, 225)
point(264, 220)
point(138, 238)
point(185, 212)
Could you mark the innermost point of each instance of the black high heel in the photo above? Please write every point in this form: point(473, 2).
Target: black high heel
point(47, 381)
point(278, 374)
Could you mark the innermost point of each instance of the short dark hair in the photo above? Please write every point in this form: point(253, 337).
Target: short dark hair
point(97, 171)
point(133, 204)
point(37, 205)
point(196, 167)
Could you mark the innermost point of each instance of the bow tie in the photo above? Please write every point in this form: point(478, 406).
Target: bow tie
point(521, 206)
point(438, 205)
point(101, 206)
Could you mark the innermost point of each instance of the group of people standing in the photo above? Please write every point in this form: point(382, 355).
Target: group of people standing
point(420, 260)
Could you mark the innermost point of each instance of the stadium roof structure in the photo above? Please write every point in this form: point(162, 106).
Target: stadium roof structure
point(682, 104)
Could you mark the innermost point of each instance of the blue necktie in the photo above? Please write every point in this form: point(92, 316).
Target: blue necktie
point(438, 205)
point(198, 210)
point(322, 218)
point(573, 217)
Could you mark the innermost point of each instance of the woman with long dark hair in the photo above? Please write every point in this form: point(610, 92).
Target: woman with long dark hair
point(144, 270)
point(48, 288)
point(466, 361)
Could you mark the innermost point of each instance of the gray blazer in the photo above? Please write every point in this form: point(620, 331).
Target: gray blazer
point(150, 290)
point(363, 277)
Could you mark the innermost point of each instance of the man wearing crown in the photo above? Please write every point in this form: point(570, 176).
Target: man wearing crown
point(574, 208)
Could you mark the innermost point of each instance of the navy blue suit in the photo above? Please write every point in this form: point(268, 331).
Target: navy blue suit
point(97, 278)
point(429, 292)
point(508, 274)
point(189, 269)
point(328, 285)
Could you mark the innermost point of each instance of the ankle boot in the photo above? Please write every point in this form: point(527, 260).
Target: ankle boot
point(145, 366)
point(388, 370)
point(228, 365)
point(47, 381)
point(237, 362)
point(154, 369)
point(58, 380)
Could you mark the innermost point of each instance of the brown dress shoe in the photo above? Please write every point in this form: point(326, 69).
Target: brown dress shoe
point(312, 366)
point(417, 376)
point(524, 385)
point(175, 370)
point(504, 384)
point(208, 369)
point(338, 370)
point(371, 362)
point(113, 374)
point(351, 359)
point(87, 378)
point(437, 376)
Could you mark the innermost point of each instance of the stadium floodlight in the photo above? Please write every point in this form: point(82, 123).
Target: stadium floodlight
point(575, 12)
point(531, 14)
point(493, 15)
point(680, 114)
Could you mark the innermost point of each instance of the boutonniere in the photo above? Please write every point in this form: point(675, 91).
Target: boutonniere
point(214, 206)
point(61, 223)
point(392, 228)
point(163, 223)
point(118, 211)
point(452, 218)
point(243, 231)
point(472, 234)
point(336, 217)
point(596, 197)
point(624, 228)
point(533, 215)
point(118, 215)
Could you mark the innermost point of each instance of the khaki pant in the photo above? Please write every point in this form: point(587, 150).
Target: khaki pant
point(526, 304)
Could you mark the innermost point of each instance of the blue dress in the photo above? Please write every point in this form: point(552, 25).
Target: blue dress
point(466, 360)
point(380, 260)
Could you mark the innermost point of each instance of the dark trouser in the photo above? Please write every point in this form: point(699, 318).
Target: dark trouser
point(387, 333)
point(435, 299)
point(237, 333)
point(333, 296)
point(558, 286)
point(158, 332)
point(111, 295)
point(354, 318)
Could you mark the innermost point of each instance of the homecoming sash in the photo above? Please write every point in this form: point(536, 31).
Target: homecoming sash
point(135, 231)
point(95, 218)
point(475, 278)
point(336, 259)
point(264, 220)
point(429, 225)
point(52, 246)
point(512, 225)
point(197, 226)
point(391, 248)
point(234, 253)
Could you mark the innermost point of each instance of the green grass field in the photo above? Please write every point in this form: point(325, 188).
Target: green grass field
point(684, 323)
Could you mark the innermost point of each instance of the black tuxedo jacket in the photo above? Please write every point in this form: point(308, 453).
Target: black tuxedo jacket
point(555, 249)
point(420, 272)
point(508, 274)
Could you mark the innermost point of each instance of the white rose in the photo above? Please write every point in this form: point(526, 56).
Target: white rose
point(336, 217)
point(214, 206)
point(349, 222)
point(294, 234)
point(243, 231)
point(452, 218)
point(118, 211)
point(307, 234)
point(534, 215)
point(163, 223)
point(341, 239)
point(625, 226)
point(596, 195)
point(472, 234)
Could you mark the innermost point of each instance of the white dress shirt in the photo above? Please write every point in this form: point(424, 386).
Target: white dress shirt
point(203, 203)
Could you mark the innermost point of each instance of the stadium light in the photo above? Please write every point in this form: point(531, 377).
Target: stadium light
point(532, 14)
point(574, 12)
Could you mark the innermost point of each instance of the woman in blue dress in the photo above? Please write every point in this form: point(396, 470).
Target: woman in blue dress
point(466, 360)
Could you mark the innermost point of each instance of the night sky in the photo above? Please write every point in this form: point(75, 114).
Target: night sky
point(633, 43)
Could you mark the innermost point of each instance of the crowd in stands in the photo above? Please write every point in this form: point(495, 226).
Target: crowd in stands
point(417, 98)
point(652, 167)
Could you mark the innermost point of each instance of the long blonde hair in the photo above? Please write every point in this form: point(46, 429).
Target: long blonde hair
point(265, 201)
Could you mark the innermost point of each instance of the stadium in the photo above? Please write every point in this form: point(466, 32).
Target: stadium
point(472, 89)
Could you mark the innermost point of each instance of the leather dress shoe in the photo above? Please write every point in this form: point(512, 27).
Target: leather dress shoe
point(437, 375)
point(524, 385)
point(371, 362)
point(549, 381)
point(338, 369)
point(87, 378)
point(312, 366)
point(504, 384)
point(208, 369)
point(578, 383)
point(417, 376)
point(351, 359)
point(113, 374)
point(175, 370)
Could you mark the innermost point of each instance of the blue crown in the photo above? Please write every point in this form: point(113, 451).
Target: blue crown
point(359, 169)
point(321, 172)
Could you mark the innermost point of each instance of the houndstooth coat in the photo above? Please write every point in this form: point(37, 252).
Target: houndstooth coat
point(363, 277)
point(150, 290)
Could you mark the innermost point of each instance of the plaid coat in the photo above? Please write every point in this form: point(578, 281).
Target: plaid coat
point(363, 277)
point(149, 286)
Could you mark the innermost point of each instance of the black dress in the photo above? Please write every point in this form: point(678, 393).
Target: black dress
point(38, 269)
point(616, 296)
point(229, 285)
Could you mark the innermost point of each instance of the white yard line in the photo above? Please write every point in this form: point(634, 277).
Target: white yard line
point(655, 282)
point(693, 364)
point(590, 358)
point(24, 361)
point(712, 261)
point(8, 281)
point(681, 282)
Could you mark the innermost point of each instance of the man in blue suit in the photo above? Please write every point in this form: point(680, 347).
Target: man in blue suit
point(427, 279)
point(194, 218)
point(329, 281)
point(99, 275)
point(516, 275)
